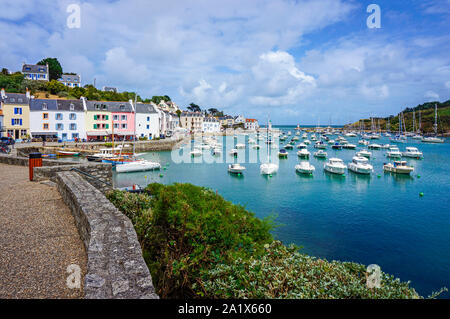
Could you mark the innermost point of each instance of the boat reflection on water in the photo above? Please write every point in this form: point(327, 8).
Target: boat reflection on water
point(335, 178)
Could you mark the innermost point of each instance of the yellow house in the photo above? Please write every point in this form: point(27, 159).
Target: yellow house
point(98, 120)
point(16, 114)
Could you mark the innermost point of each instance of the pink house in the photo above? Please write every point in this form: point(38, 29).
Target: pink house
point(122, 116)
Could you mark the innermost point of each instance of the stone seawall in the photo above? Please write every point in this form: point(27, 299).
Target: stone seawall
point(100, 173)
point(115, 266)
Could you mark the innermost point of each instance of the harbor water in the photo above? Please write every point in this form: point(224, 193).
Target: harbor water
point(378, 219)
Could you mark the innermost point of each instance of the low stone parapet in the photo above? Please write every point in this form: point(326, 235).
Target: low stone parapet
point(115, 266)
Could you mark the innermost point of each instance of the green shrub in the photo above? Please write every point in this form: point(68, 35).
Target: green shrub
point(196, 244)
point(190, 230)
point(282, 272)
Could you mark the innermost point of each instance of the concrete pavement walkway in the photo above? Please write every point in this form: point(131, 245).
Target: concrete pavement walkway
point(38, 239)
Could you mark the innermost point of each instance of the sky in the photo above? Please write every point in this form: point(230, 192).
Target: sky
point(297, 62)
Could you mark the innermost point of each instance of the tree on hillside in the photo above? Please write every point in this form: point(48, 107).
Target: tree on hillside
point(213, 111)
point(194, 108)
point(55, 68)
point(55, 87)
point(179, 116)
point(5, 71)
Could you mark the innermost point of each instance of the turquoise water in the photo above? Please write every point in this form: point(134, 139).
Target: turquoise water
point(365, 219)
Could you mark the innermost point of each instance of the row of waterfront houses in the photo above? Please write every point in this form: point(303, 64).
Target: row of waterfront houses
point(23, 116)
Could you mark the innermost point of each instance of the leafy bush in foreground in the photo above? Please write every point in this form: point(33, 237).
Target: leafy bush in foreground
point(282, 272)
point(190, 230)
point(196, 244)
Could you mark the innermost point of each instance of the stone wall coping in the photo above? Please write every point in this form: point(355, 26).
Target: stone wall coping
point(115, 266)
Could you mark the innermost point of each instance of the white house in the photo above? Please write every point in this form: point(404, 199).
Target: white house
point(64, 119)
point(210, 125)
point(36, 72)
point(239, 119)
point(147, 121)
point(70, 80)
point(251, 124)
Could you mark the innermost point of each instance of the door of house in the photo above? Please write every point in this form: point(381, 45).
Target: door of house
point(16, 134)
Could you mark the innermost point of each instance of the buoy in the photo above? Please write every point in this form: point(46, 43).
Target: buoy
point(420, 194)
point(161, 175)
point(378, 175)
point(270, 175)
point(418, 176)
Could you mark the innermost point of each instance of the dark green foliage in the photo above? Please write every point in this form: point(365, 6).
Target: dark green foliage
point(55, 68)
point(190, 230)
point(194, 108)
point(282, 272)
point(196, 244)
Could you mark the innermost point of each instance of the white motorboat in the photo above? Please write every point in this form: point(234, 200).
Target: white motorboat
point(417, 137)
point(394, 152)
point(307, 142)
point(364, 153)
point(239, 146)
point(320, 145)
point(351, 134)
point(385, 146)
point(320, 154)
point(413, 152)
point(301, 146)
point(256, 147)
point(251, 141)
point(234, 152)
point(217, 151)
point(363, 142)
point(304, 136)
point(196, 152)
point(303, 153)
point(268, 168)
point(137, 166)
point(283, 153)
point(305, 168)
point(349, 146)
point(374, 136)
point(313, 137)
point(289, 133)
point(236, 168)
point(360, 165)
point(335, 166)
point(374, 146)
point(399, 167)
point(331, 142)
point(295, 138)
point(432, 139)
point(289, 147)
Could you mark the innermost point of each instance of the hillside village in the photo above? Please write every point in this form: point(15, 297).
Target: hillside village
point(36, 107)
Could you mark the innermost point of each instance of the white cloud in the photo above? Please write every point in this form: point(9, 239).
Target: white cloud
point(431, 96)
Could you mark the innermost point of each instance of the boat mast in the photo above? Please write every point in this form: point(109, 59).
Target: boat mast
point(134, 136)
point(435, 120)
point(420, 122)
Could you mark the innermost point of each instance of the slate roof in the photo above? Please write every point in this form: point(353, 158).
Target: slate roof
point(108, 106)
point(64, 105)
point(145, 108)
point(37, 104)
point(71, 78)
point(34, 68)
point(15, 98)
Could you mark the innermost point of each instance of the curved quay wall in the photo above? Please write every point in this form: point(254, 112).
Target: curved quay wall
point(115, 266)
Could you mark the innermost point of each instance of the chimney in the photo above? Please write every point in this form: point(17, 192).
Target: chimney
point(3, 93)
point(28, 94)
